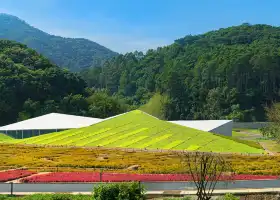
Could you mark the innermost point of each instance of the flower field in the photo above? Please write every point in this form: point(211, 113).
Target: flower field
point(14, 174)
point(122, 177)
point(67, 159)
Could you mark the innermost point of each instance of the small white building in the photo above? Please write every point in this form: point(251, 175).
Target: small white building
point(48, 123)
point(222, 127)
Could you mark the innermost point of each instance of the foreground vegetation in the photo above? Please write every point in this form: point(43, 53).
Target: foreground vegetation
point(136, 129)
point(94, 159)
point(121, 191)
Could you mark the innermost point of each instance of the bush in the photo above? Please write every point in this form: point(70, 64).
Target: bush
point(119, 191)
point(228, 197)
point(6, 197)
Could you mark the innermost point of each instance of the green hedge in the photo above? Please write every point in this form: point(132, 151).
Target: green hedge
point(119, 191)
point(229, 197)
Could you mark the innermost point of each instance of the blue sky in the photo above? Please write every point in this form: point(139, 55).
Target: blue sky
point(128, 25)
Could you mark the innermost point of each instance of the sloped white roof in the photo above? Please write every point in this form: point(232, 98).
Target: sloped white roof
point(203, 125)
point(52, 121)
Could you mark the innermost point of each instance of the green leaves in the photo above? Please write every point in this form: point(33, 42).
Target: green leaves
point(119, 191)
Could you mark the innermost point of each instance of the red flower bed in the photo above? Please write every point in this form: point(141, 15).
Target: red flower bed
point(115, 177)
point(254, 177)
point(14, 174)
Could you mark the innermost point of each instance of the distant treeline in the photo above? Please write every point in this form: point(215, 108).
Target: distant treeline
point(230, 73)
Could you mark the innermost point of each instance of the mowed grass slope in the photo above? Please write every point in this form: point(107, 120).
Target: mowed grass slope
point(137, 129)
point(4, 138)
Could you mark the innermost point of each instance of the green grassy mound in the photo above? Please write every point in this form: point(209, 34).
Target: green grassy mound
point(137, 129)
point(247, 142)
point(155, 105)
point(5, 138)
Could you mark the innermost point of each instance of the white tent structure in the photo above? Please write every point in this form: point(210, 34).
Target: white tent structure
point(222, 127)
point(52, 122)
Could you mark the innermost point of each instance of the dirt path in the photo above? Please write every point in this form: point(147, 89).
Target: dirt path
point(19, 180)
point(265, 148)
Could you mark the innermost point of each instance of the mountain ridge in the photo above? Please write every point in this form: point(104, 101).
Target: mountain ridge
point(73, 53)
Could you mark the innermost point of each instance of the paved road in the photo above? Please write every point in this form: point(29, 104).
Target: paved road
point(149, 186)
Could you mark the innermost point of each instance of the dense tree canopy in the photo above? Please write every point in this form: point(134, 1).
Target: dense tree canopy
point(229, 73)
point(75, 54)
point(30, 86)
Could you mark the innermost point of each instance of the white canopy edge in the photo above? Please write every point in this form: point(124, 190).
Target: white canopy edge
point(52, 121)
point(203, 125)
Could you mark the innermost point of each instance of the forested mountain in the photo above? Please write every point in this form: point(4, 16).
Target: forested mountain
point(75, 54)
point(30, 85)
point(229, 73)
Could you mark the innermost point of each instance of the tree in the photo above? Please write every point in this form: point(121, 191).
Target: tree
point(273, 116)
point(102, 105)
point(206, 170)
point(30, 109)
point(74, 104)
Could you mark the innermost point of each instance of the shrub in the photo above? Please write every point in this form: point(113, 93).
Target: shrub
point(6, 197)
point(229, 197)
point(119, 191)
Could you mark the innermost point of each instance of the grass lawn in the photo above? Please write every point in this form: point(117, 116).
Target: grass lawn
point(5, 138)
point(238, 134)
point(137, 129)
point(257, 131)
point(254, 135)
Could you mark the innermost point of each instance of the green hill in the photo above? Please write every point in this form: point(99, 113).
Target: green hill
point(5, 138)
point(155, 106)
point(137, 129)
point(30, 85)
point(228, 73)
point(75, 54)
